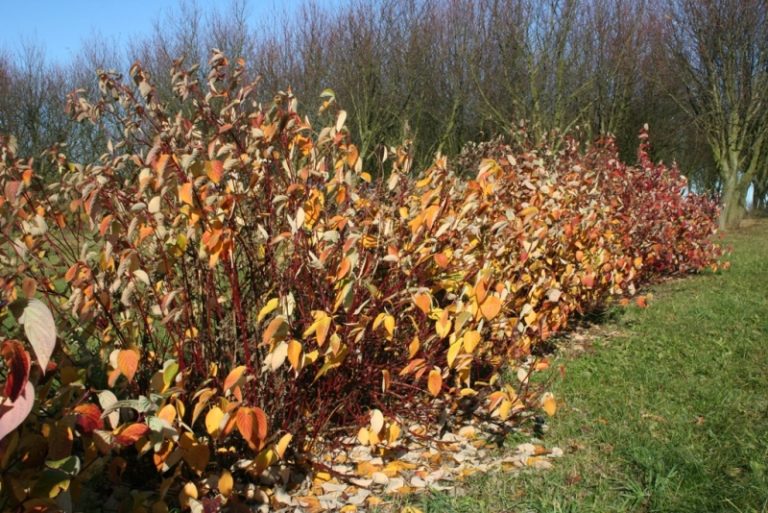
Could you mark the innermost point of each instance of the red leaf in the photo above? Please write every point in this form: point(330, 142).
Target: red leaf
point(17, 360)
point(131, 434)
point(89, 417)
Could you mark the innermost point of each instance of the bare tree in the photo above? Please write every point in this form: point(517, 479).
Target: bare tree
point(719, 48)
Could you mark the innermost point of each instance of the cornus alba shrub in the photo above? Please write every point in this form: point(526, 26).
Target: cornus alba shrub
point(232, 287)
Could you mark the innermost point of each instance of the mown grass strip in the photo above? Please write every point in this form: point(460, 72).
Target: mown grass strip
point(670, 415)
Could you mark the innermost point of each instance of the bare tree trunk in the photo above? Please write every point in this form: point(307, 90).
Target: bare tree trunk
point(734, 198)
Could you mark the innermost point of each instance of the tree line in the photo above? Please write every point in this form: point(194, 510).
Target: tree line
point(441, 74)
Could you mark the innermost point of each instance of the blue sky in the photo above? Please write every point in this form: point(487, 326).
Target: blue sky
point(60, 26)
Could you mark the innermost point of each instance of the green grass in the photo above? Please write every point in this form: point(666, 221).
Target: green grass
point(669, 415)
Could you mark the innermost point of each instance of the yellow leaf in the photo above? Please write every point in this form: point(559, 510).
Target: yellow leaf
point(226, 483)
point(185, 193)
point(167, 413)
point(548, 404)
point(195, 454)
point(443, 325)
point(389, 325)
point(378, 320)
point(282, 445)
point(435, 382)
point(394, 432)
point(453, 352)
point(471, 340)
point(263, 461)
point(188, 492)
point(271, 305)
point(294, 354)
point(320, 327)
point(363, 436)
point(504, 409)
point(213, 421)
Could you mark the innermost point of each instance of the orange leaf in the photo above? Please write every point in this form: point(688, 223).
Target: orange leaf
point(252, 425)
point(89, 417)
point(105, 223)
point(131, 434)
point(423, 301)
point(481, 290)
point(435, 382)
point(185, 193)
point(442, 260)
point(277, 329)
point(490, 307)
point(215, 170)
point(352, 155)
point(128, 362)
point(161, 162)
point(233, 377)
point(413, 347)
point(344, 267)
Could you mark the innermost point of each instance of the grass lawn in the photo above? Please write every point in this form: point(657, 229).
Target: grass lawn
point(670, 414)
